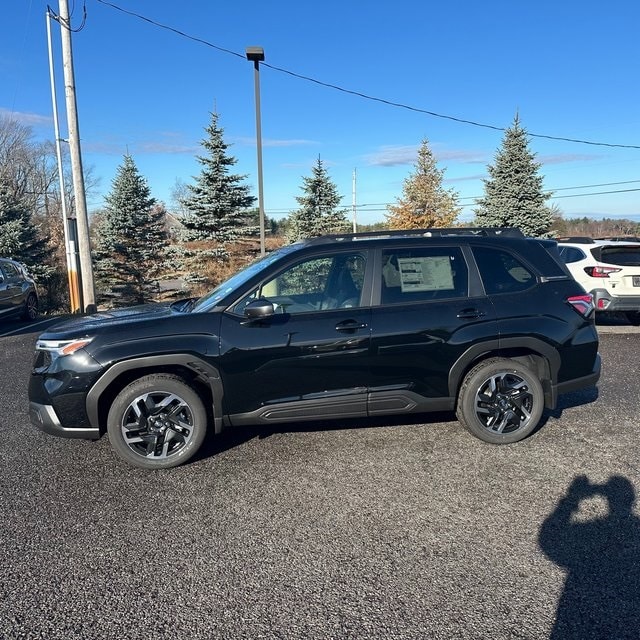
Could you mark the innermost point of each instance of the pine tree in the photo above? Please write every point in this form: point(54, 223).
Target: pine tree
point(513, 195)
point(319, 211)
point(425, 202)
point(19, 238)
point(131, 239)
point(218, 202)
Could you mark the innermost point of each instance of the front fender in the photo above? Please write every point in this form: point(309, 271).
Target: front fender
point(200, 367)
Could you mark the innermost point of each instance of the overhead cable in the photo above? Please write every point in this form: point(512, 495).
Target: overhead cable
point(360, 94)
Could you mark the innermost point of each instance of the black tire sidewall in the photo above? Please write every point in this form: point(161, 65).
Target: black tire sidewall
point(152, 383)
point(466, 408)
point(25, 314)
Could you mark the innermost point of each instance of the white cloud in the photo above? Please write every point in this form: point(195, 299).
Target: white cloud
point(563, 158)
point(274, 143)
point(32, 119)
point(398, 155)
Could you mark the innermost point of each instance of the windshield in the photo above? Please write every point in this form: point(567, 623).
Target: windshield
point(210, 300)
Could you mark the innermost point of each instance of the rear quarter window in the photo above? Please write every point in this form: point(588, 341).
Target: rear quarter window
point(501, 271)
point(571, 254)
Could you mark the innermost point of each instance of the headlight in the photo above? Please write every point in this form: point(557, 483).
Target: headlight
point(62, 347)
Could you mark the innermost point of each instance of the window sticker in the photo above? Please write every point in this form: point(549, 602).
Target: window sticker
point(431, 273)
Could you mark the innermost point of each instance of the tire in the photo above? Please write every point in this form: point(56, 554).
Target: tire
point(633, 317)
point(500, 401)
point(30, 311)
point(157, 422)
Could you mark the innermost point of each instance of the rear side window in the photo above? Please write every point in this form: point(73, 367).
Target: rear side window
point(571, 254)
point(420, 274)
point(501, 271)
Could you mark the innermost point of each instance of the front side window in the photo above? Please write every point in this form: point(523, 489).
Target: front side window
point(316, 284)
point(501, 272)
point(421, 274)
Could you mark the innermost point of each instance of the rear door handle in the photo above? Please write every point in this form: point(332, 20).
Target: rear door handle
point(471, 313)
point(350, 325)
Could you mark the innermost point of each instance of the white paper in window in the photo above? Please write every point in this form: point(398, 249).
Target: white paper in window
point(432, 273)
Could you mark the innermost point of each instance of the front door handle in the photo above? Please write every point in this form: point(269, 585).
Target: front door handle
point(470, 314)
point(350, 325)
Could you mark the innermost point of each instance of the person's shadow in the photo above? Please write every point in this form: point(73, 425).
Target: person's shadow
point(601, 556)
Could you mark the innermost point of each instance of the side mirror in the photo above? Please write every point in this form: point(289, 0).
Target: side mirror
point(260, 308)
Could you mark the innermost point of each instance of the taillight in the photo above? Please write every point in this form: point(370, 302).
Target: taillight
point(582, 304)
point(600, 272)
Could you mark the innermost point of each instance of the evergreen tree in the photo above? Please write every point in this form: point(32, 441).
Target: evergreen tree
point(425, 202)
point(319, 211)
point(513, 194)
point(19, 238)
point(130, 239)
point(218, 202)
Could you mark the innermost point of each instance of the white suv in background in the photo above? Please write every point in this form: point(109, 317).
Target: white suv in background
point(609, 270)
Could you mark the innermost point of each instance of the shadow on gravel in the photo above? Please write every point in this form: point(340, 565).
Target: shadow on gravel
point(236, 436)
point(601, 557)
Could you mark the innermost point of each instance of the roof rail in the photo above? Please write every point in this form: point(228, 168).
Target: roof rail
point(512, 232)
point(576, 239)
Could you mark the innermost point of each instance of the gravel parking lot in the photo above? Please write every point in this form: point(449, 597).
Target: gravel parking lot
point(352, 530)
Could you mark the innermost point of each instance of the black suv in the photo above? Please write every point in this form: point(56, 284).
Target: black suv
point(18, 295)
point(481, 321)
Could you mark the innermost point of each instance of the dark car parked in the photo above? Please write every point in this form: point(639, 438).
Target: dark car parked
point(18, 296)
point(481, 321)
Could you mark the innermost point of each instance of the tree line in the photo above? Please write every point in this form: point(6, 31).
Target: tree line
point(137, 244)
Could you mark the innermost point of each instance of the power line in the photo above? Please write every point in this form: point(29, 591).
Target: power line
point(360, 94)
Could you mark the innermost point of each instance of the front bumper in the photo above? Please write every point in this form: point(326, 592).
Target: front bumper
point(43, 416)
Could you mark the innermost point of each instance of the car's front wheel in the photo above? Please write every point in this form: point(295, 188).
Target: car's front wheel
point(500, 401)
point(157, 422)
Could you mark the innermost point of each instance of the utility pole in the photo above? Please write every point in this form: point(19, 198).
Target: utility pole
point(82, 220)
point(68, 224)
point(353, 201)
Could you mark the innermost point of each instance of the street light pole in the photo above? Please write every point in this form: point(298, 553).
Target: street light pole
point(256, 54)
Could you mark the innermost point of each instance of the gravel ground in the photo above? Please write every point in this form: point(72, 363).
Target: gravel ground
point(401, 529)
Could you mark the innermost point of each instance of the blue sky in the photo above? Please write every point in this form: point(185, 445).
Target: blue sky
point(570, 69)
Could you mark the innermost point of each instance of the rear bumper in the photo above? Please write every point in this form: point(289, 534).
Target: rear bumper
point(604, 301)
point(43, 416)
point(577, 383)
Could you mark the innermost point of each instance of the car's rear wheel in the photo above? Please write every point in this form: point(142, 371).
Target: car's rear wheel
point(30, 311)
point(500, 401)
point(157, 422)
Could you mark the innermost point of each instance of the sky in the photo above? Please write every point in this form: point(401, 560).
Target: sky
point(569, 69)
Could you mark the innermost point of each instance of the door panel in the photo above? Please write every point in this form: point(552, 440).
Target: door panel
point(317, 359)
point(308, 359)
point(414, 346)
point(425, 322)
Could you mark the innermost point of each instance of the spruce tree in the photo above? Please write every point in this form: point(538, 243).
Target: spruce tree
point(513, 194)
point(19, 238)
point(130, 239)
point(319, 211)
point(218, 203)
point(425, 202)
